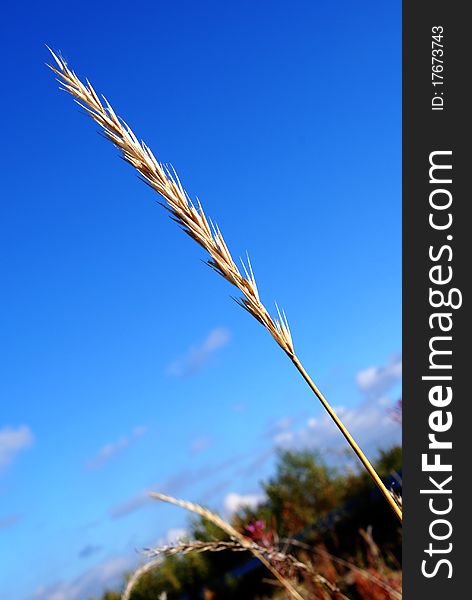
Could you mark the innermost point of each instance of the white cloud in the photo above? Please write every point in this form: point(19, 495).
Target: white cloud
point(283, 438)
point(376, 381)
point(108, 574)
point(9, 521)
point(234, 502)
point(13, 441)
point(197, 357)
point(113, 448)
point(89, 550)
point(129, 506)
point(175, 485)
point(256, 462)
point(200, 444)
point(284, 423)
point(370, 422)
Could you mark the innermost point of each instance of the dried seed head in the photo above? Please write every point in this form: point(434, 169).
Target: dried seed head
point(165, 181)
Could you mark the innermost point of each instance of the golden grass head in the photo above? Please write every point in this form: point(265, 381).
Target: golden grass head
point(189, 215)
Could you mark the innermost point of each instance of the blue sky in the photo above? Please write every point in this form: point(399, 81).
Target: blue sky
point(125, 364)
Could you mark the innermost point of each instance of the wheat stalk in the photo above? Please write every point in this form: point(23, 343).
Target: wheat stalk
point(233, 533)
point(194, 546)
point(238, 541)
point(271, 553)
point(136, 576)
point(191, 217)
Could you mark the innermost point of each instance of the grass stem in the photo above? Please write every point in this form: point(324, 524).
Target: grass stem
point(351, 441)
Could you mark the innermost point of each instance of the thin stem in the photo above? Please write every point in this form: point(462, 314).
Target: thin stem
point(362, 457)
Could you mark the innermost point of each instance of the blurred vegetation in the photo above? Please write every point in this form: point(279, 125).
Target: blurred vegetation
point(333, 515)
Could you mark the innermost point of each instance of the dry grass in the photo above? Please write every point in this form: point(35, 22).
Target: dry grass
point(234, 534)
point(273, 554)
point(164, 180)
point(194, 222)
point(239, 541)
point(370, 576)
point(271, 557)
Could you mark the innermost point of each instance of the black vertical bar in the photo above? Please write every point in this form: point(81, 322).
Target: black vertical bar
point(436, 118)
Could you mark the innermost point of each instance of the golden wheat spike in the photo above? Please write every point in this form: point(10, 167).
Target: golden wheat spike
point(165, 181)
